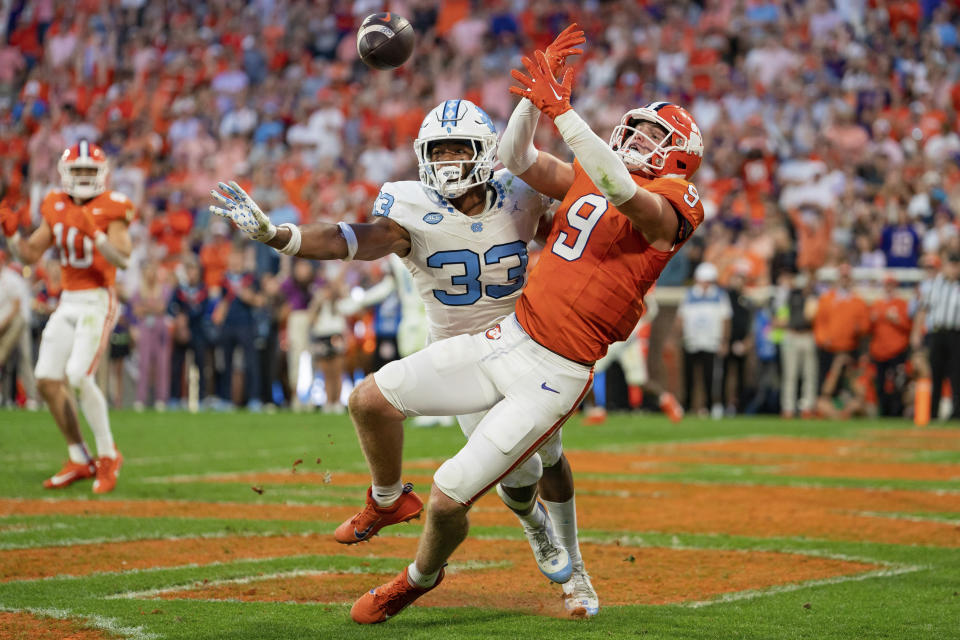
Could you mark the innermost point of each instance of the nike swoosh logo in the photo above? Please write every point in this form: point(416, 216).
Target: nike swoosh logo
point(360, 535)
point(63, 478)
point(546, 388)
point(554, 92)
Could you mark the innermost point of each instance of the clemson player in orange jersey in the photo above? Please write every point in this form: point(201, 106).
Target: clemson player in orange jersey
point(626, 209)
point(88, 226)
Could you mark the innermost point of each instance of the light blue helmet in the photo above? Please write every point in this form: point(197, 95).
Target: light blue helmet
point(457, 120)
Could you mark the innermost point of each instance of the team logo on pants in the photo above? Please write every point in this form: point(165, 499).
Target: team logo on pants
point(493, 333)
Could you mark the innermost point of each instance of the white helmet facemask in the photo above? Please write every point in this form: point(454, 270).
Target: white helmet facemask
point(640, 151)
point(459, 121)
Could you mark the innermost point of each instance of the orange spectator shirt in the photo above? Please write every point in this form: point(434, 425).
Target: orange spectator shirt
point(840, 321)
point(889, 329)
point(83, 266)
point(587, 289)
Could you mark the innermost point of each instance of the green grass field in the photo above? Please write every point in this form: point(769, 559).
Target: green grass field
point(656, 501)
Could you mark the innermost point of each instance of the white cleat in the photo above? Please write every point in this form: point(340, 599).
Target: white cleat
point(579, 597)
point(552, 559)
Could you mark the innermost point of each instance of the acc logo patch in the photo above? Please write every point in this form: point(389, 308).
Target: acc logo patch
point(433, 218)
point(493, 333)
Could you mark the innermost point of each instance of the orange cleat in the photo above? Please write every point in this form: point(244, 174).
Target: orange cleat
point(372, 518)
point(595, 416)
point(107, 471)
point(71, 472)
point(670, 406)
point(387, 600)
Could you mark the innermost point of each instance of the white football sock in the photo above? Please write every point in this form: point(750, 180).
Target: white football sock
point(564, 517)
point(532, 520)
point(386, 496)
point(420, 580)
point(94, 407)
point(79, 453)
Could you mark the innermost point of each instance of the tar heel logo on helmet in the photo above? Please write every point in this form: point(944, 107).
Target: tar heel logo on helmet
point(433, 217)
point(462, 122)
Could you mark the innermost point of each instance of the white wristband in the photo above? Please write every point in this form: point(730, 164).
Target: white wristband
point(351, 239)
point(292, 247)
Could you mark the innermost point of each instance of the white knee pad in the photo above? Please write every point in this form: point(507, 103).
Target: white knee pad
point(393, 379)
point(551, 450)
point(449, 478)
point(526, 474)
point(79, 380)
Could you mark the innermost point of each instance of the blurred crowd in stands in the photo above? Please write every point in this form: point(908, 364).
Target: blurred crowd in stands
point(831, 137)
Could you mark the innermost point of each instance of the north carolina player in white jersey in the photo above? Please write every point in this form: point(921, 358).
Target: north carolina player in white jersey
point(462, 231)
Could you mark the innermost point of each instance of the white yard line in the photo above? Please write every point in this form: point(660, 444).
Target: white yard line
point(760, 593)
point(110, 625)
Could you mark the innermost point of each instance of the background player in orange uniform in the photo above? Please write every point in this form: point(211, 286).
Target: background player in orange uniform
point(610, 239)
point(88, 225)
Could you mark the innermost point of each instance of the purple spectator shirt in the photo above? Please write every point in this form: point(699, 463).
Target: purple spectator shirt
point(297, 297)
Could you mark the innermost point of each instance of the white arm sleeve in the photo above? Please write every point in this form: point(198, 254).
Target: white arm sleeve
point(516, 150)
point(605, 169)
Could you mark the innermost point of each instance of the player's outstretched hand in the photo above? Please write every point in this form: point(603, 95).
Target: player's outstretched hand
point(541, 88)
point(561, 48)
point(242, 211)
point(9, 221)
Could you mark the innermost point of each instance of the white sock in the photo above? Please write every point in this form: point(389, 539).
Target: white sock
point(386, 496)
point(79, 453)
point(420, 580)
point(94, 407)
point(532, 520)
point(564, 517)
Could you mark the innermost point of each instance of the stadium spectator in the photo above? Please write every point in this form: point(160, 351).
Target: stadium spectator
point(901, 243)
point(238, 296)
point(190, 307)
point(890, 327)
point(297, 292)
point(704, 321)
point(739, 346)
point(795, 311)
point(152, 336)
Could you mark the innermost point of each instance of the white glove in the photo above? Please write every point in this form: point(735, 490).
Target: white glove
point(243, 212)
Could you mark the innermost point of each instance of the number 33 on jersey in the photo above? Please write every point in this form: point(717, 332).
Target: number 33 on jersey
point(83, 266)
point(469, 270)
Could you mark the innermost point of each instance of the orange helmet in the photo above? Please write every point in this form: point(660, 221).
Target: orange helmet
point(675, 152)
point(75, 167)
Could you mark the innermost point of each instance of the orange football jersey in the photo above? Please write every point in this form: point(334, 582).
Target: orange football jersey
point(83, 266)
point(587, 289)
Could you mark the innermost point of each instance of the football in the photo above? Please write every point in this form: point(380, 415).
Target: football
point(385, 40)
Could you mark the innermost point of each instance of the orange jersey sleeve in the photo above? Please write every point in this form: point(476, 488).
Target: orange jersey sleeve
point(82, 265)
point(587, 289)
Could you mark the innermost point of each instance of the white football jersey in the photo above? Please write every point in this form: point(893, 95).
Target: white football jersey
point(468, 270)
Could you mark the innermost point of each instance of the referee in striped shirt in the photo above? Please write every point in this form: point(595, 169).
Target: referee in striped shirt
point(940, 305)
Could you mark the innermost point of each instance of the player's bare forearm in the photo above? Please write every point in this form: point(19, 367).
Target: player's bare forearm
point(320, 241)
point(325, 241)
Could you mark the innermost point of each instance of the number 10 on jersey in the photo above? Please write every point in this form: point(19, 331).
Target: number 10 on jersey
point(77, 257)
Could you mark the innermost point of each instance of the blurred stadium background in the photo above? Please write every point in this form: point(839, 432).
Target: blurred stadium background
point(831, 181)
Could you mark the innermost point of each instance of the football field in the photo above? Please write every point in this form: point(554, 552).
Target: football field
point(221, 527)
